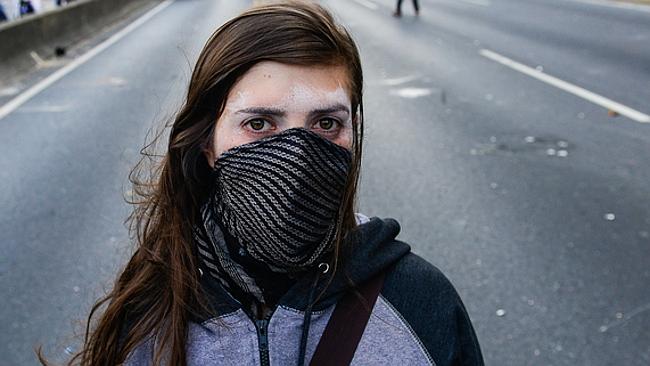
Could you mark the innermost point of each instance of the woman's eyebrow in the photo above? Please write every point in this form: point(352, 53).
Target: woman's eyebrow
point(338, 107)
point(269, 111)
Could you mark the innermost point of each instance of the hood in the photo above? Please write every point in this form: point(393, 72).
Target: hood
point(370, 249)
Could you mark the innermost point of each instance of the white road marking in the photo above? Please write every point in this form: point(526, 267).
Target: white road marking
point(46, 108)
point(367, 3)
point(477, 2)
point(45, 83)
point(398, 81)
point(411, 92)
point(568, 87)
point(615, 4)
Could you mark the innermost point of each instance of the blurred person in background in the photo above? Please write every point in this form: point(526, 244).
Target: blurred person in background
point(398, 10)
point(248, 247)
point(26, 7)
point(3, 16)
point(11, 8)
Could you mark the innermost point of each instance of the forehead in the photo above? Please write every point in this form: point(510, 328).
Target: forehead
point(276, 84)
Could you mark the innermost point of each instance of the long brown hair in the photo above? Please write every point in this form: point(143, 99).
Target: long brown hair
point(158, 291)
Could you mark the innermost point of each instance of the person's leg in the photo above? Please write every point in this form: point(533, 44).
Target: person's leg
point(398, 11)
point(416, 6)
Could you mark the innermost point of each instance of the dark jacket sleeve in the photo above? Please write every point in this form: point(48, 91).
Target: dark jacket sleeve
point(429, 303)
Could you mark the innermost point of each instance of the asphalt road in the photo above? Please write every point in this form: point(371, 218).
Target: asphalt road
point(534, 201)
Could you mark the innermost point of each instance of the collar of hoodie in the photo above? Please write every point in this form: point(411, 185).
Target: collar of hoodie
point(368, 250)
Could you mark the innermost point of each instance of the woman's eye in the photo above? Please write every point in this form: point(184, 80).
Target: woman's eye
point(257, 124)
point(327, 123)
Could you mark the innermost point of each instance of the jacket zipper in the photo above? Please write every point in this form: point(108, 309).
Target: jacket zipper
point(262, 326)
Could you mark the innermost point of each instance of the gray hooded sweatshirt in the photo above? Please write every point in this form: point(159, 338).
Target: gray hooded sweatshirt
point(418, 319)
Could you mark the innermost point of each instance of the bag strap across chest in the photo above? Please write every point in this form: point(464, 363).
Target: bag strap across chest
point(346, 325)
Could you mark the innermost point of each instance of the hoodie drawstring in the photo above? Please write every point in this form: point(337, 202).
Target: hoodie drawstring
point(323, 268)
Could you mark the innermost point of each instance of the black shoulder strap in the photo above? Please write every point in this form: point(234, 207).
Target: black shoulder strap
point(346, 325)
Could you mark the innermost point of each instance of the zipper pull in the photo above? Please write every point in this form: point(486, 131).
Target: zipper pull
point(262, 328)
point(262, 324)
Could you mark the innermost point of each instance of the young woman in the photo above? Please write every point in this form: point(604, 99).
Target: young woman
point(249, 251)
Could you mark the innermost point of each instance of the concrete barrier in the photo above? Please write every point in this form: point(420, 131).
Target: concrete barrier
point(62, 27)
